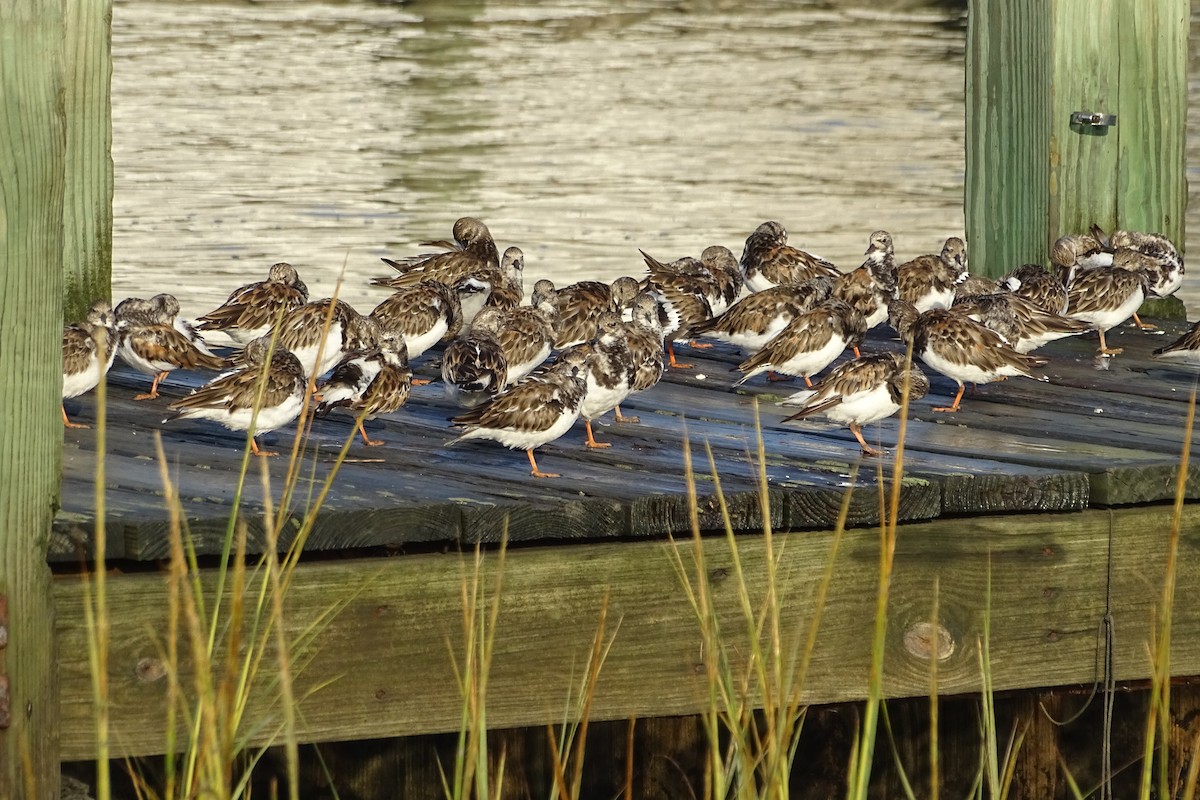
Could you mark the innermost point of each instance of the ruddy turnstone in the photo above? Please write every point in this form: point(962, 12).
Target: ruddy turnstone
point(230, 398)
point(525, 334)
point(508, 292)
point(1023, 324)
point(251, 310)
point(166, 310)
point(474, 369)
point(768, 260)
point(1167, 270)
point(580, 305)
point(643, 334)
point(809, 343)
point(680, 309)
point(757, 318)
point(860, 392)
point(321, 333)
point(715, 275)
point(1086, 250)
point(376, 380)
point(153, 340)
point(1035, 284)
point(1184, 350)
point(88, 350)
point(426, 313)
point(880, 261)
point(859, 290)
point(974, 284)
point(536, 411)
point(1137, 261)
point(1105, 297)
point(960, 348)
point(930, 281)
point(473, 249)
point(727, 277)
point(610, 372)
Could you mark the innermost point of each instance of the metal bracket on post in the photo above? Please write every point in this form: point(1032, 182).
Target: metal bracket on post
point(1090, 119)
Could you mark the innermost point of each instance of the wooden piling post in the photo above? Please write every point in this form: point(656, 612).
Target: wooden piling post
point(1032, 174)
point(32, 168)
point(87, 203)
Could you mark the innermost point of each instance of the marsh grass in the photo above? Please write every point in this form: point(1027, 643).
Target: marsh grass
point(226, 629)
point(470, 776)
point(568, 744)
point(754, 712)
point(222, 634)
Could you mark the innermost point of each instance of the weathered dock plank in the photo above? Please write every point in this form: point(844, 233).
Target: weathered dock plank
point(1017, 446)
point(385, 658)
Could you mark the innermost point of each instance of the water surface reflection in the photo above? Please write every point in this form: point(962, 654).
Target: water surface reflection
point(329, 132)
point(323, 132)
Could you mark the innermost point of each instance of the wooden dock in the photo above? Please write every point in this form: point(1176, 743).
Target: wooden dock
point(1090, 437)
point(1040, 484)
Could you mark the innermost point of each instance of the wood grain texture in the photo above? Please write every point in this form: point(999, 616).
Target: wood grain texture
point(1008, 108)
point(1032, 175)
point(31, 245)
point(385, 655)
point(87, 203)
point(1085, 77)
point(1099, 433)
point(1152, 39)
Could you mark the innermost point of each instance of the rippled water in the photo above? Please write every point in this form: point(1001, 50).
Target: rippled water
point(324, 133)
point(329, 132)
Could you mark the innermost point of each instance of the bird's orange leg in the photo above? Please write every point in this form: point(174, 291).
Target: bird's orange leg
point(699, 345)
point(1146, 326)
point(70, 424)
point(953, 407)
point(673, 363)
point(262, 453)
point(807, 382)
point(856, 353)
point(421, 382)
point(1105, 350)
point(537, 473)
point(153, 393)
point(867, 450)
point(622, 418)
point(591, 440)
point(368, 441)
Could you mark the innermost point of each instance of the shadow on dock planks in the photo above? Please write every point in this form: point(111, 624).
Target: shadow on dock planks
point(1090, 437)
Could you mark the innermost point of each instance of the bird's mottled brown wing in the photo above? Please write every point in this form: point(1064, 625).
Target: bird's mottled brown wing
point(163, 344)
point(810, 331)
point(530, 406)
point(1101, 290)
point(78, 347)
point(475, 360)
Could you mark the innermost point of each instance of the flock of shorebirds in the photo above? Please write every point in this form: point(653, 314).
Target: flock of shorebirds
point(792, 312)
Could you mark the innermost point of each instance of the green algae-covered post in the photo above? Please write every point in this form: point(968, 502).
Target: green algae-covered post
point(1036, 168)
point(32, 168)
point(87, 202)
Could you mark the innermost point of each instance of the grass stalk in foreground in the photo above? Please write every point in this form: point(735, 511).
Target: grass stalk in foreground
point(226, 640)
point(996, 771)
point(863, 756)
point(95, 606)
point(750, 751)
point(569, 750)
point(1158, 720)
point(470, 777)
